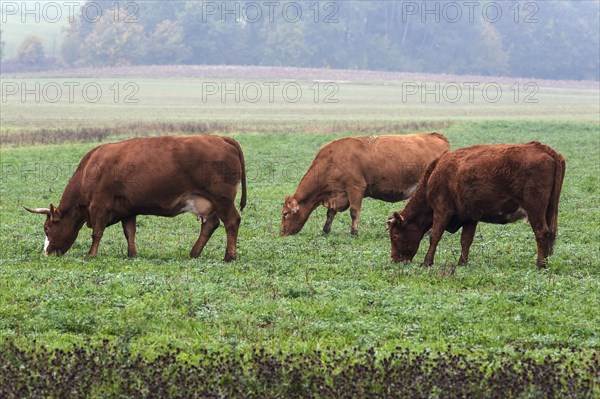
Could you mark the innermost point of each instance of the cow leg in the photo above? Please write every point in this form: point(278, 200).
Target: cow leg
point(206, 231)
point(98, 221)
point(330, 215)
point(97, 232)
point(231, 219)
point(129, 231)
point(466, 239)
point(355, 206)
point(439, 225)
point(543, 237)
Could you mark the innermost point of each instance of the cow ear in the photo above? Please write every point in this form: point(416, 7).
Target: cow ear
point(54, 214)
point(398, 218)
point(294, 207)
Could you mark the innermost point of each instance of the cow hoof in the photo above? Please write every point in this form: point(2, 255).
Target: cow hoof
point(229, 258)
point(326, 230)
point(353, 233)
point(426, 264)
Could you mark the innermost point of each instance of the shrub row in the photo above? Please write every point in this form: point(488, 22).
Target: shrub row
point(109, 370)
point(142, 129)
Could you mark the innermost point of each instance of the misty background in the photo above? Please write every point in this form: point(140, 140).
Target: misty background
point(537, 39)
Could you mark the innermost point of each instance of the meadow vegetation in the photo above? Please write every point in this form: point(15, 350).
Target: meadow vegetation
point(311, 296)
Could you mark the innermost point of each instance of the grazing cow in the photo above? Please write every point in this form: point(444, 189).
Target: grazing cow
point(348, 169)
point(162, 176)
point(498, 183)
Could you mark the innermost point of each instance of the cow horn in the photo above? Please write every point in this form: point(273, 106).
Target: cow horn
point(42, 211)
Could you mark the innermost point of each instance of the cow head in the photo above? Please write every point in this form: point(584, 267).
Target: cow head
point(60, 233)
point(292, 219)
point(405, 238)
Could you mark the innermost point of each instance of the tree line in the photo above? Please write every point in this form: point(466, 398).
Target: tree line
point(540, 39)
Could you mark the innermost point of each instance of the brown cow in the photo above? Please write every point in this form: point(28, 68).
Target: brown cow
point(498, 183)
point(162, 176)
point(348, 169)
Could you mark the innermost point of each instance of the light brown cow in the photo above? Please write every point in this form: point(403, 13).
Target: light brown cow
point(348, 169)
point(498, 183)
point(162, 176)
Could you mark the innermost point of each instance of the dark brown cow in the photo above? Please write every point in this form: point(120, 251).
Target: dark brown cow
point(485, 183)
point(162, 176)
point(348, 169)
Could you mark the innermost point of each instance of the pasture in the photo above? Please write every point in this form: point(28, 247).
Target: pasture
point(310, 292)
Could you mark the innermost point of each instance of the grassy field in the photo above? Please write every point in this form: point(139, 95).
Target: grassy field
point(268, 105)
point(308, 292)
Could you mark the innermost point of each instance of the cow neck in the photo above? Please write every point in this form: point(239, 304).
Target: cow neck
point(69, 204)
point(308, 194)
point(418, 210)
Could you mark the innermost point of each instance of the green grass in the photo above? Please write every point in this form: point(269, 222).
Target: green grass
point(310, 291)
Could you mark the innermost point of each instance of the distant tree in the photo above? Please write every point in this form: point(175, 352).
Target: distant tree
point(561, 43)
point(31, 51)
point(71, 46)
point(285, 46)
point(491, 58)
point(94, 9)
point(165, 44)
point(531, 39)
point(153, 13)
point(206, 46)
point(113, 42)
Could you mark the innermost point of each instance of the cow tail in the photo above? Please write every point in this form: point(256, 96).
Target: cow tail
point(234, 143)
point(552, 210)
point(439, 136)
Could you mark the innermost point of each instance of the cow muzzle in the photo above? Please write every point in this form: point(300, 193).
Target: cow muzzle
point(398, 259)
point(56, 252)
